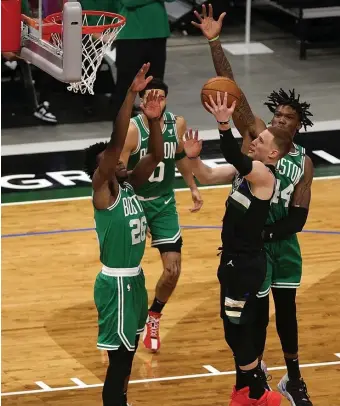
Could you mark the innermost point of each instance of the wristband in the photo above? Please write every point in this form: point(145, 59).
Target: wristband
point(214, 39)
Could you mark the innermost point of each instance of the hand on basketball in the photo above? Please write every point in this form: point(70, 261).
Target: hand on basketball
point(192, 145)
point(220, 109)
point(140, 81)
point(210, 28)
point(152, 106)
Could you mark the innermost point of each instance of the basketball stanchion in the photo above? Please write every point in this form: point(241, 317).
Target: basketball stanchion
point(247, 47)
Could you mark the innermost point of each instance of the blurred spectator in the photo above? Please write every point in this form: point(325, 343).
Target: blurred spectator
point(12, 61)
point(143, 39)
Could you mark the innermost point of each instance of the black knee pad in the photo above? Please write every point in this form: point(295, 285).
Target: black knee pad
point(171, 247)
point(241, 342)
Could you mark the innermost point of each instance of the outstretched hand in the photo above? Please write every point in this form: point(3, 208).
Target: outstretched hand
point(152, 107)
point(192, 145)
point(220, 109)
point(210, 28)
point(140, 81)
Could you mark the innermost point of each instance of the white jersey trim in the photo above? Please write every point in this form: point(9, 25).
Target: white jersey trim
point(117, 200)
point(134, 121)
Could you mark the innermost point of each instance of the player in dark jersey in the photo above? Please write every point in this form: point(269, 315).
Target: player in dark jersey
point(288, 213)
point(242, 267)
point(119, 292)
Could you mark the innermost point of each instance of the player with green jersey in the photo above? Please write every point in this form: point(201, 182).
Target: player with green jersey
point(119, 291)
point(284, 260)
point(158, 199)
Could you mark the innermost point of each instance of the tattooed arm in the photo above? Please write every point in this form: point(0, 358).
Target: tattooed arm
point(303, 191)
point(244, 119)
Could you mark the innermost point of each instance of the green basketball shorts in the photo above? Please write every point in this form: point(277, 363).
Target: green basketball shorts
point(162, 218)
point(284, 265)
point(122, 305)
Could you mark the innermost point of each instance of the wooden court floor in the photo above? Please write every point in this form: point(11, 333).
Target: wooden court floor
point(49, 326)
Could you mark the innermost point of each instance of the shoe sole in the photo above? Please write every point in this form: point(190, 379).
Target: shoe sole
point(286, 394)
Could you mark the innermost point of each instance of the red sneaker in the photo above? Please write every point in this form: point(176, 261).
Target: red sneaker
point(151, 338)
point(241, 398)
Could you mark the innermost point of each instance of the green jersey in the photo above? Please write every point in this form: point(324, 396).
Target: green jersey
point(289, 171)
point(161, 181)
point(121, 230)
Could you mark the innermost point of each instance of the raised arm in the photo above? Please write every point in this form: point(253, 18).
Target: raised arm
point(244, 119)
point(204, 173)
point(103, 197)
point(298, 209)
point(145, 167)
point(131, 143)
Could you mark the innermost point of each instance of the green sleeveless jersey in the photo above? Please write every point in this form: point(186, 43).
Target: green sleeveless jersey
point(162, 179)
point(121, 230)
point(289, 171)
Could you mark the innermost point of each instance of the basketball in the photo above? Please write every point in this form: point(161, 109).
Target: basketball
point(223, 85)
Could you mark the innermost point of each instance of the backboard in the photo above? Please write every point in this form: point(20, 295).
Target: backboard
point(63, 63)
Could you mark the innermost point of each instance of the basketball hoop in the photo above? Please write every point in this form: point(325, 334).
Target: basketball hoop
point(96, 41)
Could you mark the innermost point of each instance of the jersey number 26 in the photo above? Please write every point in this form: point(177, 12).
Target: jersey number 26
point(138, 231)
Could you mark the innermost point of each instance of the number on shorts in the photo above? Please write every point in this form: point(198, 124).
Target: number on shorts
point(285, 194)
point(138, 231)
point(160, 176)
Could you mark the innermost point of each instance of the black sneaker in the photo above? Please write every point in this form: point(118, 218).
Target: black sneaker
point(295, 391)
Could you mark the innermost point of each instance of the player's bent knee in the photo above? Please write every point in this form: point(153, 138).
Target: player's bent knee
point(172, 266)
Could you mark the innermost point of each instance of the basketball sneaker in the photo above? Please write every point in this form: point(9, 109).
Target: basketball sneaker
point(42, 112)
point(241, 398)
point(295, 391)
point(151, 337)
point(265, 377)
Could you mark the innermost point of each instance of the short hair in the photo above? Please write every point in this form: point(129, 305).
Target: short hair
point(91, 157)
point(282, 138)
point(281, 98)
point(155, 83)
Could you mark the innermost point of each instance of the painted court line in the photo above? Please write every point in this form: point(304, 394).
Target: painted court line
point(164, 379)
point(211, 369)
point(70, 199)
point(79, 383)
point(43, 386)
point(188, 227)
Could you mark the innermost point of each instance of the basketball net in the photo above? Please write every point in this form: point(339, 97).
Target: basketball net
point(94, 47)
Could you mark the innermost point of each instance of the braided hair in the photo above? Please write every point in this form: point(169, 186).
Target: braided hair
point(281, 98)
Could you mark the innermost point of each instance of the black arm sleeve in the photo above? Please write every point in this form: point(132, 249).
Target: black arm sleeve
point(232, 153)
point(284, 228)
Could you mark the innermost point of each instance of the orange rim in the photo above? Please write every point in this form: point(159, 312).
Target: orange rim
point(87, 29)
point(52, 23)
